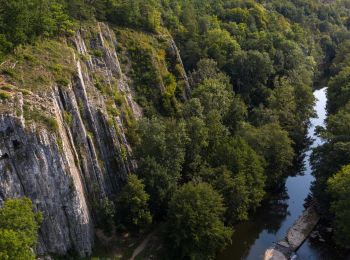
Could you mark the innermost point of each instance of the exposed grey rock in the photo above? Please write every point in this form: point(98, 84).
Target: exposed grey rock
point(283, 243)
point(36, 168)
point(176, 53)
point(314, 234)
point(67, 172)
point(329, 230)
point(296, 235)
point(302, 228)
point(272, 254)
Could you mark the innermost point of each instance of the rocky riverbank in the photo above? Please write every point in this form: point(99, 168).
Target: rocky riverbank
point(296, 235)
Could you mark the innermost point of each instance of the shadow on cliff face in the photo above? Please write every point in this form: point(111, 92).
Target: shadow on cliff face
point(33, 166)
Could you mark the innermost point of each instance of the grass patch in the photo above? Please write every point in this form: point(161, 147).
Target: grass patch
point(97, 53)
point(154, 79)
point(4, 95)
point(63, 82)
point(101, 87)
point(112, 110)
point(35, 67)
point(8, 72)
point(40, 117)
point(25, 92)
point(68, 118)
point(7, 87)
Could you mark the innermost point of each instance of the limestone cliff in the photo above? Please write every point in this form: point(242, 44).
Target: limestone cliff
point(65, 108)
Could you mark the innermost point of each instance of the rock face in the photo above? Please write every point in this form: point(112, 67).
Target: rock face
point(272, 254)
point(296, 235)
point(175, 52)
point(35, 167)
point(302, 228)
point(85, 156)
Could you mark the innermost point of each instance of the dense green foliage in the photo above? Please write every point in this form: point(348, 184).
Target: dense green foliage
point(272, 142)
point(132, 204)
point(251, 67)
point(331, 160)
point(339, 188)
point(195, 229)
point(175, 151)
point(18, 229)
point(23, 21)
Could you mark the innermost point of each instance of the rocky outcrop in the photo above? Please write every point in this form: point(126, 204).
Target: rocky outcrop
point(176, 52)
point(296, 235)
point(65, 146)
point(66, 169)
point(302, 228)
point(37, 167)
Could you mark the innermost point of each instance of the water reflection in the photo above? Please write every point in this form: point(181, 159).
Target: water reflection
point(267, 220)
point(272, 220)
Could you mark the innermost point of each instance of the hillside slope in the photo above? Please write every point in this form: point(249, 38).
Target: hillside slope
point(65, 106)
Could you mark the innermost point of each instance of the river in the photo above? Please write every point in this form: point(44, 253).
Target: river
point(272, 220)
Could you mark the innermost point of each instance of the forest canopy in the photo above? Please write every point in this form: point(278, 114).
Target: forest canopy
point(236, 133)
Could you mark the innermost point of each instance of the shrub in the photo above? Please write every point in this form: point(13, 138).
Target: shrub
point(18, 229)
point(68, 118)
point(132, 204)
point(4, 95)
point(195, 229)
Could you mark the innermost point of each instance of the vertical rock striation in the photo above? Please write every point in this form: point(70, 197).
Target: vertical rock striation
point(65, 147)
point(38, 167)
point(68, 169)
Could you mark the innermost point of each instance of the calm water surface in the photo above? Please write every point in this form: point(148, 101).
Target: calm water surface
point(274, 217)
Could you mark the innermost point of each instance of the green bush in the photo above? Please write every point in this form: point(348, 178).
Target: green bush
point(4, 95)
point(68, 118)
point(339, 188)
point(97, 53)
point(195, 229)
point(18, 229)
point(132, 205)
point(9, 72)
point(40, 117)
point(63, 82)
